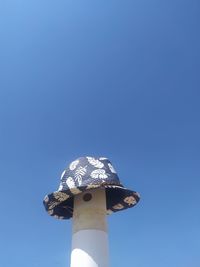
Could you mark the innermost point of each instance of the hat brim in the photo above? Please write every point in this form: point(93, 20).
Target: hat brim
point(60, 204)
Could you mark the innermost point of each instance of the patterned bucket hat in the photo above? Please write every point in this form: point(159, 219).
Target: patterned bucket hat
point(84, 174)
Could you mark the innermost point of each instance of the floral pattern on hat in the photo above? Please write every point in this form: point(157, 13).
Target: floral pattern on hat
point(75, 191)
point(60, 188)
point(99, 173)
point(60, 196)
point(92, 186)
point(102, 158)
point(87, 173)
point(79, 173)
point(130, 200)
point(95, 162)
point(111, 168)
point(118, 207)
point(73, 165)
point(53, 204)
point(70, 182)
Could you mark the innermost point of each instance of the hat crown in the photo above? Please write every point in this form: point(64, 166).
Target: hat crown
point(88, 172)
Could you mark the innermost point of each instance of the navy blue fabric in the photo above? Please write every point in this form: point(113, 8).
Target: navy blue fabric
point(82, 166)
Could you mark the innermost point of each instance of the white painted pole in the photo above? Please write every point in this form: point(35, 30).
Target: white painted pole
point(90, 237)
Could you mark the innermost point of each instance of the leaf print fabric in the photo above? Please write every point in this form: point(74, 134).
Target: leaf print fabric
point(95, 162)
point(61, 196)
point(92, 186)
point(53, 204)
point(111, 168)
point(60, 188)
point(130, 200)
point(75, 191)
point(70, 182)
point(87, 173)
point(79, 173)
point(99, 173)
point(73, 165)
point(118, 207)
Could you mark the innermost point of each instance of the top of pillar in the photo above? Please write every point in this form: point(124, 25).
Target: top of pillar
point(89, 173)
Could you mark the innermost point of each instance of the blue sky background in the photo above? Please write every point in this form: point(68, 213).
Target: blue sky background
point(109, 78)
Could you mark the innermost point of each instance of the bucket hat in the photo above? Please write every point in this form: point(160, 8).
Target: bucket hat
point(87, 173)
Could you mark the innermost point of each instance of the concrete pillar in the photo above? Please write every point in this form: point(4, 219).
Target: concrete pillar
point(90, 237)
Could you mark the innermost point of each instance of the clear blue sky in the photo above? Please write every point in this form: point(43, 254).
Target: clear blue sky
point(109, 78)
